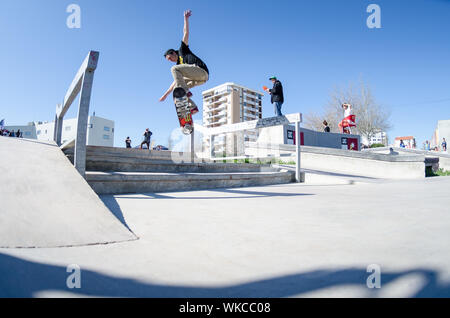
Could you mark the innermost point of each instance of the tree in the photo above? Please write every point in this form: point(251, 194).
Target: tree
point(371, 117)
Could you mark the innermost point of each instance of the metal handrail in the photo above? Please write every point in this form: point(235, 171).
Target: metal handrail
point(81, 84)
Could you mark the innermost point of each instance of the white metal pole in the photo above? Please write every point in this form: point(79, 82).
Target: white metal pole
point(298, 154)
point(192, 146)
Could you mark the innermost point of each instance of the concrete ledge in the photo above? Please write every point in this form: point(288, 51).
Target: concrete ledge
point(122, 182)
point(351, 162)
point(443, 162)
point(337, 152)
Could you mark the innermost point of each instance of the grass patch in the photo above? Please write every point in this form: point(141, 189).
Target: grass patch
point(439, 173)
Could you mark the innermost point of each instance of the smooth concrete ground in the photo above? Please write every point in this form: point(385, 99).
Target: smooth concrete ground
point(276, 241)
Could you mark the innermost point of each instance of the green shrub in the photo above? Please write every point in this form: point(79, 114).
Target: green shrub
point(377, 146)
point(439, 173)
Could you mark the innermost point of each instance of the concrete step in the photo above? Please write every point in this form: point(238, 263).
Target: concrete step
point(130, 164)
point(129, 153)
point(142, 182)
point(106, 159)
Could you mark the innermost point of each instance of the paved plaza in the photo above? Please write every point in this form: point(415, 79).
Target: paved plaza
point(294, 240)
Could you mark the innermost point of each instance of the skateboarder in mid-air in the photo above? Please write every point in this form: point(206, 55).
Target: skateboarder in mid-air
point(189, 72)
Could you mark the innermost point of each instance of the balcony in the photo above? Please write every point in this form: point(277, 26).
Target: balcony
point(210, 110)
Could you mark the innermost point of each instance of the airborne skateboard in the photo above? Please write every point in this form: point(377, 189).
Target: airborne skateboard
point(183, 108)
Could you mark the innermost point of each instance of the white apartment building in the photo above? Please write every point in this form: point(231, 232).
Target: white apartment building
point(100, 131)
point(231, 103)
point(378, 138)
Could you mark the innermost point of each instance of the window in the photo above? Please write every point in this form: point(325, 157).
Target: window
point(106, 137)
point(112, 130)
point(38, 132)
point(106, 128)
point(90, 126)
point(68, 128)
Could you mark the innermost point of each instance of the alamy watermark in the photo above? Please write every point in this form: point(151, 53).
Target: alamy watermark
point(374, 279)
point(374, 20)
point(73, 281)
point(74, 19)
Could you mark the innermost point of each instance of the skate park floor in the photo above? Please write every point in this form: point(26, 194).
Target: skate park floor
point(294, 240)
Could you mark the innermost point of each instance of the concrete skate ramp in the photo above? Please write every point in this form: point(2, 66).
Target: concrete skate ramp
point(46, 203)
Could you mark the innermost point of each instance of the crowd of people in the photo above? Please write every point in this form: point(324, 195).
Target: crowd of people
point(12, 133)
point(442, 147)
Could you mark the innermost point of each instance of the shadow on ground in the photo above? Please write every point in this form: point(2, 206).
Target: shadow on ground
point(240, 193)
point(22, 278)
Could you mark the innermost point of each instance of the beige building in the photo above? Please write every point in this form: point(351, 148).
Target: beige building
point(442, 131)
point(231, 103)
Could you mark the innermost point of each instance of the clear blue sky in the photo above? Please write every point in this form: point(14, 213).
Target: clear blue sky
point(311, 46)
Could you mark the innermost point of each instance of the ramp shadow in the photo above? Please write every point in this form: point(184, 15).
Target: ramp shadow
point(114, 207)
point(240, 194)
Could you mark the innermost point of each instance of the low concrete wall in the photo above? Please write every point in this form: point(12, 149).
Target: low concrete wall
point(285, 135)
point(350, 162)
point(444, 158)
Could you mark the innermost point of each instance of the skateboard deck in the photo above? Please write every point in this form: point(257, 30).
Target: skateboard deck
point(182, 108)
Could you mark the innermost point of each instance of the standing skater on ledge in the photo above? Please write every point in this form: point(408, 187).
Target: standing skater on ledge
point(277, 95)
point(190, 70)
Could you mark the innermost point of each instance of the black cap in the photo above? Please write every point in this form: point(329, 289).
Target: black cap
point(170, 51)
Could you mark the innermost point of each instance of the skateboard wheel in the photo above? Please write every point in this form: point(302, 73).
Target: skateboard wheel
point(187, 129)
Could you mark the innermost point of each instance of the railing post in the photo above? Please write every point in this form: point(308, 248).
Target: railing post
point(83, 115)
point(297, 152)
point(81, 84)
point(211, 147)
point(58, 126)
point(193, 146)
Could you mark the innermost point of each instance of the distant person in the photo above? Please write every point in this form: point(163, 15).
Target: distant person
point(444, 144)
point(427, 146)
point(12, 133)
point(326, 128)
point(128, 142)
point(402, 144)
point(349, 119)
point(18, 133)
point(277, 95)
point(147, 137)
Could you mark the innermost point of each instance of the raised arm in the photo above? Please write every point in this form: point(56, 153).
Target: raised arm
point(172, 86)
point(187, 15)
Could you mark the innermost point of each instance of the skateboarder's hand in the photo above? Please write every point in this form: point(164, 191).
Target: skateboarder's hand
point(163, 98)
point(187, 14)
